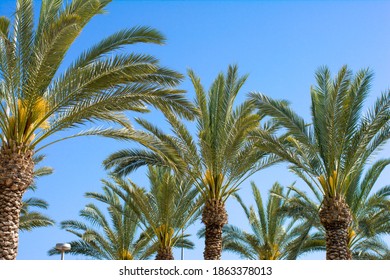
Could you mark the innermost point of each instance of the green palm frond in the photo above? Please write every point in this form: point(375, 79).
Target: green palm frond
point(126, 161)
point(118, 40)
point(373, 249)
point(32, 220)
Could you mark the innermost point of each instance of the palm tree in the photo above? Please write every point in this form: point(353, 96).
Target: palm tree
point(330, 151)
point(38, 101)
point(369, 210)
point(33, 219)
point(274, 235)
point(171, 205)
point(115, 238)
point(218, 160)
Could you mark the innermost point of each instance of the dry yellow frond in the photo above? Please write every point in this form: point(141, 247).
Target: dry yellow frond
point(38, 113)
point(351, 235)
point(27, 119)
point(214, 183)
point(22, 111)
point(322, 181)
point(275, 252)
point(208, 178)
point(124, 254)
point(165, 235)
point(329, 185)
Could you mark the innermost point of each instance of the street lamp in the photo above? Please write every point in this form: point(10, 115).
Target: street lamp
point(63, 247)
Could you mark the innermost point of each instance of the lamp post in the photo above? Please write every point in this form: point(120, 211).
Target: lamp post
point(63, 247)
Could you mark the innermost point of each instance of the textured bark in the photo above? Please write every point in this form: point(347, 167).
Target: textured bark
point(164, 254)
point(16, 174)
point(214, 217)
point(336, 217)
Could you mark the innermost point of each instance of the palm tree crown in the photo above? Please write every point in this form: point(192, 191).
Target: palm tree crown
point(171, 205)
point(274, 235)
point(37, 101)
point(334, 147)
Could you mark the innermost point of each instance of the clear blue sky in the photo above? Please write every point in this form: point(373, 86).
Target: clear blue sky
point(280, 44)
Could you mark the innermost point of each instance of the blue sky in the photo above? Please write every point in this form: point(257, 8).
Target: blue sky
point(280, 44)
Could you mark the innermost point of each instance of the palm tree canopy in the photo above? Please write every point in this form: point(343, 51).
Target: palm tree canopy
point(221, 140)
point(340, 140)
point(37, 100)
point(167, 209)
point(274, 234)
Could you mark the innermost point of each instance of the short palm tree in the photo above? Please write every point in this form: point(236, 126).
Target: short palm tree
point(218, 159)
point(117, 237)
point(274, 235)
point(333, 148)
point(37, 101)
point(33, 219)
point(166, 210)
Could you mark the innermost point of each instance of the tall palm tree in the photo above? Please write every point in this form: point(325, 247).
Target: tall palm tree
point(333, 148)
point(369, 210)
point(166, 210)
point(117, 237)
point(274, 235)
point(33, 219)
point(38, 101)
point(218, 159)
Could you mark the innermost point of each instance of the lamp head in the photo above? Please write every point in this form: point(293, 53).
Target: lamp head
point(63, 247)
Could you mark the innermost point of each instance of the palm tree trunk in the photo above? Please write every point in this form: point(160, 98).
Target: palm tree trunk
point(214, 217)
point(16, 174)
point(164, 254)
point(335, 216)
